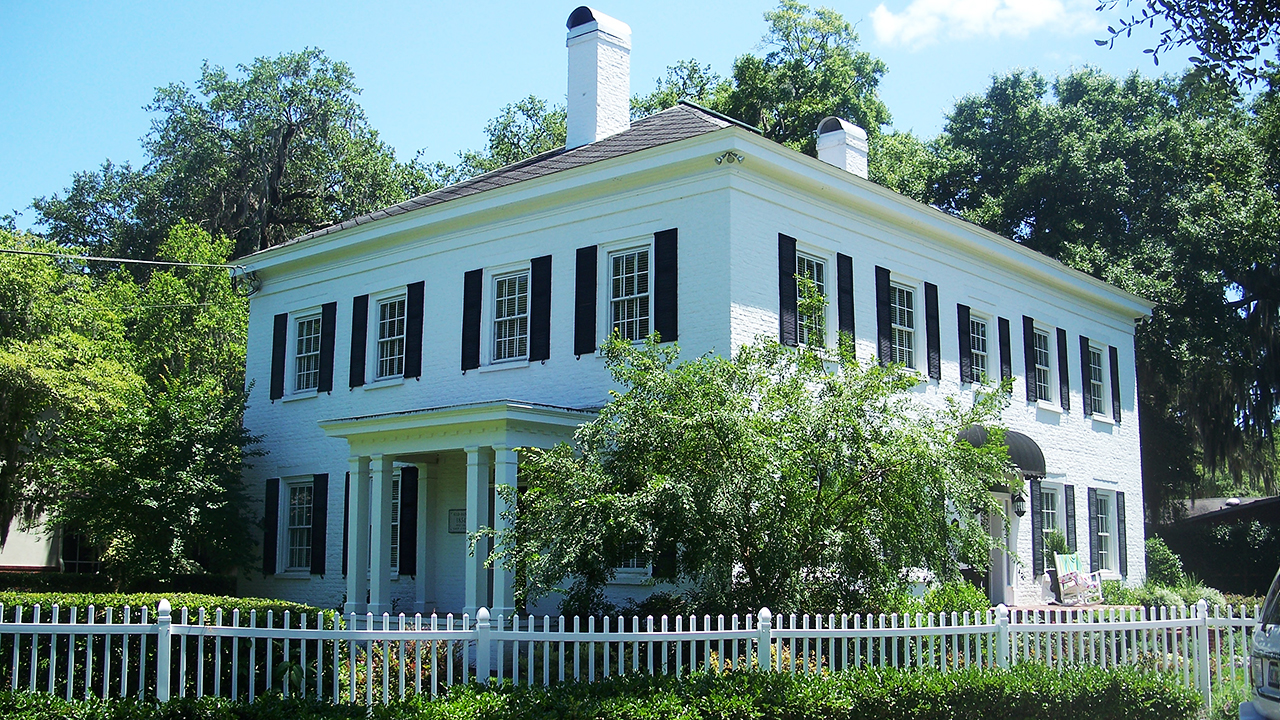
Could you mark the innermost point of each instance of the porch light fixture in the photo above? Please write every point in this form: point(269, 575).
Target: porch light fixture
point(1019, 505)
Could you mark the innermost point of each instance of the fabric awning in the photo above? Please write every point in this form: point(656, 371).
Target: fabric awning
point(1023, 451)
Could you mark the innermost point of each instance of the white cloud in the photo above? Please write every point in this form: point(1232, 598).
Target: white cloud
point(926, 21)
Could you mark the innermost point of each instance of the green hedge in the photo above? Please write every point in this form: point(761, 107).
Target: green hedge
point(87, 583)
point(193, 602)
point(1024, 693)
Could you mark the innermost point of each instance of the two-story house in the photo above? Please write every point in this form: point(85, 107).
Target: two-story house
point(399, 359)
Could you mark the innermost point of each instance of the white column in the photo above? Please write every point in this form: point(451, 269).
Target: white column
point(380, 534)
point(357, 536)
point(504, 466)
point(426, 549)
point(477, 516)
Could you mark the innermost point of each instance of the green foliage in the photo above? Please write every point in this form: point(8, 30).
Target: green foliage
point(1021, 693)
point(789, 478)
point(1163, 567)
point(1153, 594)
point(1238, 557)
point(177, 601)
point(953, 596)
point(1054, 543)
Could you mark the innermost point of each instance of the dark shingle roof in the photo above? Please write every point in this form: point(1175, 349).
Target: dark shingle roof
point(677, 123)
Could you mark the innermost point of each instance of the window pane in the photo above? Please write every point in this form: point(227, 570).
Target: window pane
point(391, 320)
point(307, 355)
point(629, 294)
point(511, 317)
point(1103, 538)
point(978, 349)
point(1040, 345)
point(299, 527)
point(902, 316)
point(812, 327)
point(1095, 381)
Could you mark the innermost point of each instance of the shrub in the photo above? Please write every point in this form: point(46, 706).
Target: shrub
point(136, 601)
point(956, 596)
point(1022, 693)
point(1192, 592)
point(1163, 567)
point(1115, 592)
point(1158, 596)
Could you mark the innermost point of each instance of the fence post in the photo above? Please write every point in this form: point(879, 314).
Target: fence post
point(482, 646)
point(1002, 636)
point(164, 630)
point(764, 642)
point(1202, 653)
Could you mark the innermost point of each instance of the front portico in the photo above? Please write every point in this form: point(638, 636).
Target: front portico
point(438, 443)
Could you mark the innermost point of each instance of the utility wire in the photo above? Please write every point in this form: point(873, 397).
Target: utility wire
point(120, 260)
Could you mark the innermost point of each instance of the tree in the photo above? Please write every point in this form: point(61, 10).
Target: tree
point(282, 150)
point(521, 130)
point(765, 479)
point(1233, 37)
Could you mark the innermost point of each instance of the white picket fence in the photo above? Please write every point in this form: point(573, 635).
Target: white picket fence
point(123, 653)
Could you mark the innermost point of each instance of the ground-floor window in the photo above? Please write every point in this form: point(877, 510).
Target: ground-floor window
point(78, 556)
point(298, 529)
point(1104, 521)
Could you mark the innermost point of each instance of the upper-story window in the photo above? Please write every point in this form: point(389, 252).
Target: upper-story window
point(1095, 380)
point(902, 314)
point(978, 348)
point(306, 359)
point(1040, 347)
point(511, 316)
point(812, 326)
point(629, 293)
point(391, 321)
point(298, 529)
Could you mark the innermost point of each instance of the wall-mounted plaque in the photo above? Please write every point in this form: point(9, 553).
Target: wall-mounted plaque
point(458, 521)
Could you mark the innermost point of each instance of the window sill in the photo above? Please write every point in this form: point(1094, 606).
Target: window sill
point(632, 577)
point(1051, 407)
point(503, 365)
point(304, 395)
point(1102, 419)
point(1110, 575)
point(294, 575)
point(383, 383)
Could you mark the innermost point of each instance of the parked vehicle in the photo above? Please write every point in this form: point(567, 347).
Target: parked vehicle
point(1264, 664)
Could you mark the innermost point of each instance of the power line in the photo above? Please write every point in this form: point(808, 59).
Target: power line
point(69, 256)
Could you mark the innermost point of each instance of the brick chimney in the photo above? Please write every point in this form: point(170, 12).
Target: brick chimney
point(599, 77)
point(843, 144)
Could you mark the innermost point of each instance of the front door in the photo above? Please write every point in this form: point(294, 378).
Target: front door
point(1000, 573)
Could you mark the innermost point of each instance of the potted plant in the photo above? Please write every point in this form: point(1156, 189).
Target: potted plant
point(1054, 543)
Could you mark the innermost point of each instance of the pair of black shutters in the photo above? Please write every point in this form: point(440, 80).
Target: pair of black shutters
point(407, 541)
point(539, 312)
point(965, 335)
point(279, 350)
point(788, 295)
point(413, 313)
point(319, 524)
point(884, 323)
point(664, 292)
point(1113, 357)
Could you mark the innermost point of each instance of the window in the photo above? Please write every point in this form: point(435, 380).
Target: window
point(391, 315)
point(511, 317)
point(78, 556)
point(1040, 344)
point(306, 363)
point(978, 349)
point(1102, 540)
point(298, 529)
point(902, 304)
point(1048, 519)
point(1095, 381)
point(813, 330)
point(629, 294)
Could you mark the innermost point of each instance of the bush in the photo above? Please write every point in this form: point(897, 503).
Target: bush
point(1115, 592)
point(956, 596)
point(1163, 567)
point(1192, 592)
point(1022, 693)
point(136, 601)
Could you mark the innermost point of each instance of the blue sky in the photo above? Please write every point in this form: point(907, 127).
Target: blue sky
point(74, 76)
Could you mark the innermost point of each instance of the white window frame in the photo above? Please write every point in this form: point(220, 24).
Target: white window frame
point(1098, 406)
point(1054, 491)
point(606, 285)
point(983, 377)
point(286, 526)
point(376, 341)
point(1050, 372)
point(495, 322)
point(823, 282)
point(895, 328)
point(636, 571)
point(1105, 539)
point(295, 337)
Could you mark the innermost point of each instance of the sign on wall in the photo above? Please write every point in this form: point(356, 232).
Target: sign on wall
point(458, 521)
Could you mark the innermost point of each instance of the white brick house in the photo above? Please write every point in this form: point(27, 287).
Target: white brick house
point(398, 359)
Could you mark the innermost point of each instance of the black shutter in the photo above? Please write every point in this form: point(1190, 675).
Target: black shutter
point(932, 334)
point(346, 520)
point(1029, 356)
point(884, 323)
point(319, 521)
point(788, 315)
point(1064, 374)
point(1122, 542)
point(408, 539)
point(1037, 532)
point(279, 338)
point(1086, 390)
point(584, 302)
point(966, 343)
point(1069, 498)
point(540, 308)
point(1006, 352)
point(666, 286)
point(1115, 384)
point(328, 319)
point(1093, 529)
point(844, 296)
point(359, 332)
point(472, 286)
point(270, 526)
point(414, 298)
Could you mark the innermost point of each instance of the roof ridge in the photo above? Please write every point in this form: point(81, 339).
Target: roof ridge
point(720, 116)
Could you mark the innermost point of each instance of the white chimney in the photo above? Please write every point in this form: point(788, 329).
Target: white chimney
point(599, 77)
point(843, 144)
